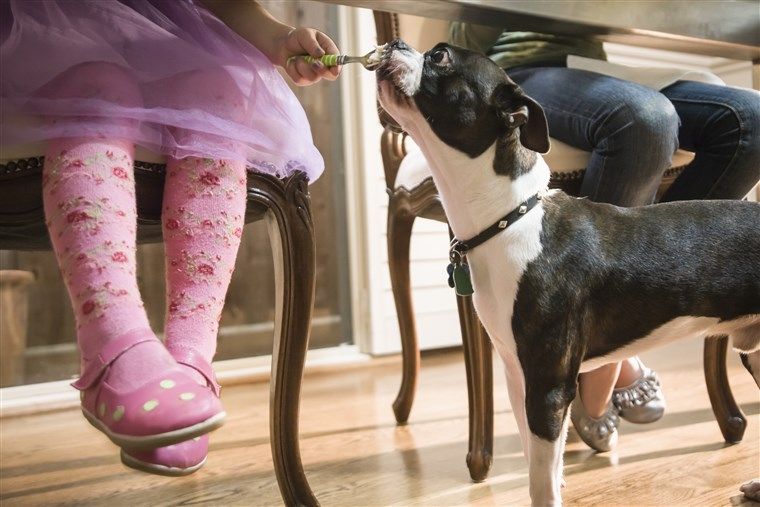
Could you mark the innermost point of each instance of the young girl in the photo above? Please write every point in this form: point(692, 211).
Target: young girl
point(196, 83)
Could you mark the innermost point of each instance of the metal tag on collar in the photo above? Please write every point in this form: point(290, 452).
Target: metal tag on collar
point(458, 271)
point(454, 258)
point(462, 280)
point(459, 278)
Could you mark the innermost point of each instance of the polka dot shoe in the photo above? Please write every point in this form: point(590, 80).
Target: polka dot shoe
point(165, 410)
point(183, 458)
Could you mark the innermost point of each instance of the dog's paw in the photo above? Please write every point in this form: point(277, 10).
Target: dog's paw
point(751, 490)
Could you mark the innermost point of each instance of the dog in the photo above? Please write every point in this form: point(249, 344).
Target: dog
point(563, 285)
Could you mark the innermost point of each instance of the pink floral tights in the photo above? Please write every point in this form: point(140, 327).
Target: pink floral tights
point(89, 198)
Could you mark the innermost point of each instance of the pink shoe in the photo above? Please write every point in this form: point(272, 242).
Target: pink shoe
point(166, 410)
point(183, 458)
point(179, 459)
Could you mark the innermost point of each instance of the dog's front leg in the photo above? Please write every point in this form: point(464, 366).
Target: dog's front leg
point(549, 389)
point(516, 389)
point(545, 465)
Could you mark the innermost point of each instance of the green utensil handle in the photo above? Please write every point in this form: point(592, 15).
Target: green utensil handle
point(326, 60)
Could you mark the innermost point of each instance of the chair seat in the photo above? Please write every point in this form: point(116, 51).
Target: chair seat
point(565, 161)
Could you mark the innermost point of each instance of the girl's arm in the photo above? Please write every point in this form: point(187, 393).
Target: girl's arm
point(277, 40)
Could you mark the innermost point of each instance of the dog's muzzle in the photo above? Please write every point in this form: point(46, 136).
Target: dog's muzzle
point(401, 66)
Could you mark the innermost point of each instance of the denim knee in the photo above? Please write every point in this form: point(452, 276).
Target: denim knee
point(645, 126)
point(743, 171)
point(747, 108)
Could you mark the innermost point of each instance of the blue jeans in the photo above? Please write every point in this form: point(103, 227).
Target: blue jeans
point(632, 132)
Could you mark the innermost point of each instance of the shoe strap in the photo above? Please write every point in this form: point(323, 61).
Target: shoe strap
point(112, 349)
point(191, 358)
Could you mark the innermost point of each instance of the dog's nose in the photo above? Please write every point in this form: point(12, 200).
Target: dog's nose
point(399, 44)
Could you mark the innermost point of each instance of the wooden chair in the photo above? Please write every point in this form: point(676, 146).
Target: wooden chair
point(283, 203)
point(412, 194)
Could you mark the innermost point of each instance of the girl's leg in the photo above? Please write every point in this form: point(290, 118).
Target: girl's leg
point(203, 217)
point(89, 199)
point(132, 388)
point(630, 372)
point(595, 388)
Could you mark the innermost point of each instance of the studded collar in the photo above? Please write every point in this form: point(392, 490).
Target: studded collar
point(460, 248)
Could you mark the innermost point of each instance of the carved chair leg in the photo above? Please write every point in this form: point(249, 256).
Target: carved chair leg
point(292, 237)
point(728, 414)
point(478, 363)
point(400, 224)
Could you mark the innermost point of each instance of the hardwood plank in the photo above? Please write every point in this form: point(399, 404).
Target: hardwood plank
point(355, 455)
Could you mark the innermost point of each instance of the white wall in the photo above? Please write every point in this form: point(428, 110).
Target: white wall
point(375, 325)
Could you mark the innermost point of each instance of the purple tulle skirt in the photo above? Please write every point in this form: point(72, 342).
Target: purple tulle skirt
point(166, 74)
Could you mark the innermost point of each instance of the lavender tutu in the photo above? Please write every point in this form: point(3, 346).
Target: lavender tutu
point(166, 74)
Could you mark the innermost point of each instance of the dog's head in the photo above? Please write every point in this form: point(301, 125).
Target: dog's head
point(467, 100)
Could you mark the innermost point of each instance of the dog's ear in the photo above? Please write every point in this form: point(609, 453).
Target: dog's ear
point(534, 134)
point(517, 109)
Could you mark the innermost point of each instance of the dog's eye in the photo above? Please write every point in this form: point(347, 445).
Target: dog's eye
point(441, 57)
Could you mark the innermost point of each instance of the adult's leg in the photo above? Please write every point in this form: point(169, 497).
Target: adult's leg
point(630, 130)
point(721, 125)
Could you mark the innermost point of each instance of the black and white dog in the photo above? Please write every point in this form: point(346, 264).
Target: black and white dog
point(571, 284)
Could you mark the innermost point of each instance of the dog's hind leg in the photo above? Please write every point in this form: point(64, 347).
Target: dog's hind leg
point(751, 362)
point(747, 341)
point(751, 490)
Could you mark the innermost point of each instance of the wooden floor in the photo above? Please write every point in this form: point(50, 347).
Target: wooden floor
point(356, 456)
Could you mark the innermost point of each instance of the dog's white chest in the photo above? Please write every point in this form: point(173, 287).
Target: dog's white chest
point(497, 267)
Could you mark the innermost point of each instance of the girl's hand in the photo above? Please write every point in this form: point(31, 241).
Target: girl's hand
point(306, 41)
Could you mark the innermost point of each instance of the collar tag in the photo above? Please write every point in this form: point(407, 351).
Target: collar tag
point(458, 270)
point(459, 278)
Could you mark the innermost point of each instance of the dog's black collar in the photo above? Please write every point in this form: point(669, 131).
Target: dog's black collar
point(460, 248)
